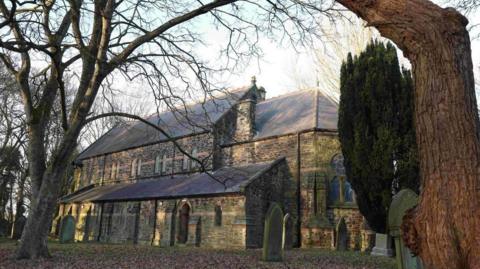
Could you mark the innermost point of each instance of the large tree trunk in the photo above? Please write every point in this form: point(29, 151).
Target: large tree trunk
point(444, 229)
point(35, 234)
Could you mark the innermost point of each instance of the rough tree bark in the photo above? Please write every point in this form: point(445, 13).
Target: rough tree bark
point(444, 229)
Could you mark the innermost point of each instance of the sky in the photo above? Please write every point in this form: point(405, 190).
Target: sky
point(274, 69)
point(281, 65)
point(280, 69)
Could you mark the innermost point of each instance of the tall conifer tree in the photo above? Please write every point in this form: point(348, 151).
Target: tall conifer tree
point(376, 129)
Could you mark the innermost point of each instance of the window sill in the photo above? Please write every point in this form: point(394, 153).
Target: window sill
point(343, 205)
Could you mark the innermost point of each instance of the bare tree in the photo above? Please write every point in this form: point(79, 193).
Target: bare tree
point(89, 42)
point(12, 137)
point(341, 37)
point(101, 38)
point(469, 8)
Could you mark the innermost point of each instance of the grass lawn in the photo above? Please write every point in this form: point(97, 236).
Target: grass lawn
point(107, 256)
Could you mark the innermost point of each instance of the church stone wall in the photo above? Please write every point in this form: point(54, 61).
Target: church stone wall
point(304, 179)
point(268, 188)
point(137, 222)
point(353, 219)
point(317, 149)
point(98, 170)
point(157, 222)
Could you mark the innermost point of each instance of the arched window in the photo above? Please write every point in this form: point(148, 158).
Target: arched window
point(184, 220)
point(158, 164)
point(349, 195)
point(337, 164)
point(164, 164)
point(218, 215)
point(334, 190)
point(194, 155)
point(117, 170)
point(139, 167)
point(133, 168)
point(112, 171)
point(186, 161)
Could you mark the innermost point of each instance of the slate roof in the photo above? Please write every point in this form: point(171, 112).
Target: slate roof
point(90, 194)
point(233, 178)
point(294, 112)
point(175, 123)
point(290, 113)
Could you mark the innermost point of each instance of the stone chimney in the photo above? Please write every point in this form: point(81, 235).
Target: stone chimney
point(258, 92)
point(245, 110)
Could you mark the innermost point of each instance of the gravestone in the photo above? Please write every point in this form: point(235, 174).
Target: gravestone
point(67, 229)
point(341, 235)
point(273, 234)
point(401, 202)
point(383, 245)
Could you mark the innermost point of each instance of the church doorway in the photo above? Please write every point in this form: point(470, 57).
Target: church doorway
point(184, 219)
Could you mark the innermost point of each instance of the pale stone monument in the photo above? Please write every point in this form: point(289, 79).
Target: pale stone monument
point(273, 238)
point(401, 202)
point(67, 229)
point(383, 245)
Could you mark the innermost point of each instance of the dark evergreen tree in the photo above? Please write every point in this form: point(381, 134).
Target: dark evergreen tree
point(376, 129)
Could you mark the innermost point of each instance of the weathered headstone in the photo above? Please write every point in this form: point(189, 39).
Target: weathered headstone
point(67, 229)
point(273, 234)
point(383, 245)
point(341, 235)
point(401, 202)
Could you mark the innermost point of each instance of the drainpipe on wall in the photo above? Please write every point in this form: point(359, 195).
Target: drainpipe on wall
point(154, 223)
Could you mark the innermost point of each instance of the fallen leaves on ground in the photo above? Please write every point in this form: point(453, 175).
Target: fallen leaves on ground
point(106, 256)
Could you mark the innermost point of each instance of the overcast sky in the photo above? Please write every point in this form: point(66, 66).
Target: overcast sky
point(278, 70)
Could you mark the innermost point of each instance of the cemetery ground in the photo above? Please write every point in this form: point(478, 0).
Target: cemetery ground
point(94, 255)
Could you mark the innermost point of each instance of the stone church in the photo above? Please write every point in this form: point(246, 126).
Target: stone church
point(210, 178)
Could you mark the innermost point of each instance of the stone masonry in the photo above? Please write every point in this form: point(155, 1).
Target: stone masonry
point(294, 157)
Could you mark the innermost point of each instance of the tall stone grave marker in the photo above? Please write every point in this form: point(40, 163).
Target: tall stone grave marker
point(401, 202)
point(67, 229)
point(273, 234)
point(341, 235)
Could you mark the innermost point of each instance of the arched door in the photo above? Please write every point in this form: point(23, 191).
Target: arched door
point(183, 227)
